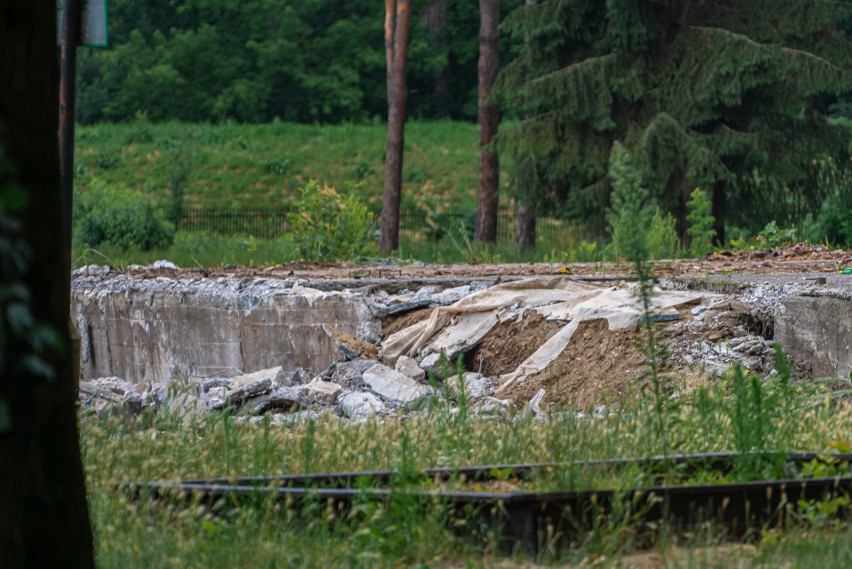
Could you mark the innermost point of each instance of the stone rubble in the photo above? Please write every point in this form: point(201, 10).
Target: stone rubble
point(713, 336)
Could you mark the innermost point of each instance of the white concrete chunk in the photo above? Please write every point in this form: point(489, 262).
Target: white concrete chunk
point(408, 366)
point(360, 404)
point(275, 376)
point(394, 387)
point(321, 392)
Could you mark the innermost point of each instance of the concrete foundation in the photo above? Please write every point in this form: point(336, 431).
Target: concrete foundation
point(184, 331)
point(816, 331)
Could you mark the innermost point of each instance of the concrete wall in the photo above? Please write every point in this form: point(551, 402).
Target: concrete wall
point(178, 333)
point(816, 331)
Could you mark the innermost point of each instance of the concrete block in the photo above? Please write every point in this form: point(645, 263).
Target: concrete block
point(321, 392)
point(408, 366)
point(395, 387)
point(360, 405)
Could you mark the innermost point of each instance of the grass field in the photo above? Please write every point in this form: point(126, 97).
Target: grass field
point(266, 164)
point(739, 415)
point(247, 166)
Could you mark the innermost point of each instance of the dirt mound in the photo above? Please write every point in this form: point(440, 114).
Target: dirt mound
point(509, 343)
point(598, 365)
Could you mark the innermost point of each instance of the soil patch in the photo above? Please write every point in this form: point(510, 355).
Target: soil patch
point(598, 365)
point(393, 324)
point(509, 343)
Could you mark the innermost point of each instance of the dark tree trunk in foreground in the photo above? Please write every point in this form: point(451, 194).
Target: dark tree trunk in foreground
point(489, 120)
point(525, 235)
point(397, 17)
point(43, 513)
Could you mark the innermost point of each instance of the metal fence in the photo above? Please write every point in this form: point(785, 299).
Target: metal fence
point(271, 222)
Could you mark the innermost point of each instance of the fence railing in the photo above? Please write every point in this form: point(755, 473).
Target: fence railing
point(271, 222)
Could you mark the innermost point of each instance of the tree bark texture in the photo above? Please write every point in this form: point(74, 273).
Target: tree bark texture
point(489, 120)
point(43, 512)
point(525, 235)
point(397, 18)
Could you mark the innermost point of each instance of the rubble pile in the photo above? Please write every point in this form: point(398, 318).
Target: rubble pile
point(566, 328)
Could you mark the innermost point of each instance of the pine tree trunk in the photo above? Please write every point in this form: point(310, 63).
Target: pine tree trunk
point(489, 119)
point(525, 232)
point(397, 17)
point(525, 236)
point(43, 512)
point(720, 206)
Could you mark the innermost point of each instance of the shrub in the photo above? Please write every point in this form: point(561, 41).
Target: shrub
point(701, 222)
point(631, 213)
point(328, 226)
point(663, 242)
point(115, 215)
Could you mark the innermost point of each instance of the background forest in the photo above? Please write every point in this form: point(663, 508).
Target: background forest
point(748, 101)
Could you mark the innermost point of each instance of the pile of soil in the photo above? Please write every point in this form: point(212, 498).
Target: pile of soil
point(598, 365)
point(509, 343)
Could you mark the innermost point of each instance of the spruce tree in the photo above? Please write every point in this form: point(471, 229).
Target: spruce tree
point(701, 93)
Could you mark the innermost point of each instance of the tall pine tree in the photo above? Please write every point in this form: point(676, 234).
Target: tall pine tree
point(703, 93)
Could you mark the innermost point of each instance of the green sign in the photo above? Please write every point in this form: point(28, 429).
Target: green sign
point(93, 22)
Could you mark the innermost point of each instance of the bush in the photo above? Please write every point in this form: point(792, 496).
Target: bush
point(663, 242)
point(115, 215)
point(328, 226)
point(631, 213)
point(701, 221)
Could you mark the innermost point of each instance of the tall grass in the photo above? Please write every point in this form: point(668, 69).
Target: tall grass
point(731, 416)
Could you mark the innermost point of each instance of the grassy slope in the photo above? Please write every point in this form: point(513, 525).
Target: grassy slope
point(266, 164)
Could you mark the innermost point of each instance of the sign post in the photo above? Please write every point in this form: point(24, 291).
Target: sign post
point(79, 22)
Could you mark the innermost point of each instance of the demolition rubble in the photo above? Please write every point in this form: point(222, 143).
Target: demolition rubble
point(278, 349)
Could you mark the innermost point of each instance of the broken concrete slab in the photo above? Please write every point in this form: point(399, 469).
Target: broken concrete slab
point(321, 392)
point(408, 366)
point(259, 387)
point(349, 374)
point(395, 387)
point(360, 405)
point(257, 405)
point(209, 384)
point(289, 397)
point(275, 375)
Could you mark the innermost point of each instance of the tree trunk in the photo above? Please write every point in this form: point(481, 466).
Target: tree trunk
point(720, 207)
point(489, 119)
point(397, 18)
point(43, 512)
point(525, 232)
point(525, 235)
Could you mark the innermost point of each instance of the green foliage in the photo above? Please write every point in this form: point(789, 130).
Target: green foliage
point(702, 93)
point(701, 220)
point(329, 226)
point(115, 215)
point(630, 216)
point(298, 60)
point(663, 242)
point(266, 165)
point(834, 220)
point(25, 343)
point(774, 236)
